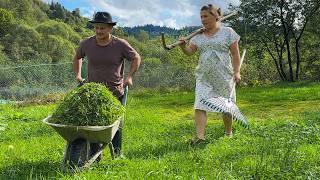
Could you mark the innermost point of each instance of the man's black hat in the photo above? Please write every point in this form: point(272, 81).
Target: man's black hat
point(103, 17)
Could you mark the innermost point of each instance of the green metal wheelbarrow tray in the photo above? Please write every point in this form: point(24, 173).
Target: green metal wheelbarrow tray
point(90, 134)
point(78, 155)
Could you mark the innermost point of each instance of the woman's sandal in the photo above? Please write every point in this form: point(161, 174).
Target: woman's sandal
point(229, 135)
point(196, 141)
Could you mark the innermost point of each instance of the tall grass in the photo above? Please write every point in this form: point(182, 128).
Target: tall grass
point(282, 143)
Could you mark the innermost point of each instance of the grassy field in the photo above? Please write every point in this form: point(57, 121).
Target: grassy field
point(282, 143)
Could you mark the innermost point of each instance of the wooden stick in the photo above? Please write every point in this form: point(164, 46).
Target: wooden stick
point(198, 31)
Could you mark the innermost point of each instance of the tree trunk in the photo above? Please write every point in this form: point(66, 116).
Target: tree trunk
point(287, 41)
point(297, 43)
point(279, 49)
point(289, 58)
point(298, 60)
point(279, 70)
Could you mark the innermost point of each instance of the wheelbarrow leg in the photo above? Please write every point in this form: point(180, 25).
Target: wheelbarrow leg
point(111, 150)
point(94, 157)
point(66, 157)
point(117, 142)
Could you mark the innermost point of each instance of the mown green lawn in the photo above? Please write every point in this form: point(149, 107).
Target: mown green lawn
point(282, 143)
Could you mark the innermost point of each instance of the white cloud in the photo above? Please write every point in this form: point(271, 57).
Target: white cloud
point(171, 13)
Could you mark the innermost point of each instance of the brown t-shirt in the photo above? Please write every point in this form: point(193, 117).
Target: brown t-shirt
point(106, 63)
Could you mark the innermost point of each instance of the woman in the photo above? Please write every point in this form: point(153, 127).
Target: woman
point(216, 71)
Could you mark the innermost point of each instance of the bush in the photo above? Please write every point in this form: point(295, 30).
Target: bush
point(90, 105)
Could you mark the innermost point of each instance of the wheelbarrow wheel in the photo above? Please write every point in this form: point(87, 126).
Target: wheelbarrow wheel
point(78, 152)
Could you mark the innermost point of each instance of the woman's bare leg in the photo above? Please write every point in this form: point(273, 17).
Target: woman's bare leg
point(227, 120)
point(200, 122)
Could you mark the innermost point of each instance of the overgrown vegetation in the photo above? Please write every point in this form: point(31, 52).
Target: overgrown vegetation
point(89, 105)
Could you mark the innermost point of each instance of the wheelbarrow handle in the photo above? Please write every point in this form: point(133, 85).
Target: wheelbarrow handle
point(81, 83)
point(125, 95)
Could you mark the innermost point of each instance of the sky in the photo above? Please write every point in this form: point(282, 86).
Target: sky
point(171, 13)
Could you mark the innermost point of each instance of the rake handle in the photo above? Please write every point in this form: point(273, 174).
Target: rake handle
point(234, 82)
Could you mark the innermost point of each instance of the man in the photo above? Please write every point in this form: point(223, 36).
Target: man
point(106, 54)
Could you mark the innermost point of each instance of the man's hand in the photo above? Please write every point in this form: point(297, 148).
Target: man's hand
point(128, 81)
point(79, 79)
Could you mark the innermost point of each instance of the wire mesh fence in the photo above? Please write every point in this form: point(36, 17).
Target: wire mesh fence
point(22, 82)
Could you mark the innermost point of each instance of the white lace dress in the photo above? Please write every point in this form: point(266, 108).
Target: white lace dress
point(214, 73)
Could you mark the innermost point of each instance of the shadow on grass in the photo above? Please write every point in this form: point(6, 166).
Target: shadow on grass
point(31, 170)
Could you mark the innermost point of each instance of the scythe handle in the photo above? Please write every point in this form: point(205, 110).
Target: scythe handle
point(198, 31)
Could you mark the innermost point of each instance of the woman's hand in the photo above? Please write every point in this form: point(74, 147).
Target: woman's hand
point(183, 42)
point(237, 77)
point(187, 48)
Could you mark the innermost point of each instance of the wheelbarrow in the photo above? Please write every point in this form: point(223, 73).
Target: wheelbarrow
point(78, 153)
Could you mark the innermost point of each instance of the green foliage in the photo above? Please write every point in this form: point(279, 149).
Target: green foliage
point(143, 36)
point(58, 11)
point(22, 43)
point(278, 27)
point(150, 72)
point(258, 68)
point(30, 11)
point(3, 56)
point(58, 49)
point(119, 32)
point(59, 29)
point(178, 58)
point(90, 105)
point(8, 78)
point(310, 66)
point(6, 22)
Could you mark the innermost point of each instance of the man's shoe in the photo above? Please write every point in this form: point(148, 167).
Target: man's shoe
point(118, 154)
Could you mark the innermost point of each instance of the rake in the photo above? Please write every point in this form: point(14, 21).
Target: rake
point(226, 105)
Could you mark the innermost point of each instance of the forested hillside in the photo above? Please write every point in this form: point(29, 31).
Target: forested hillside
point(282, 46)
point(35, 32)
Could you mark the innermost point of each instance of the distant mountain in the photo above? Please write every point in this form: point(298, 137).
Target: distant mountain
point(154, 30)
point(55, 10)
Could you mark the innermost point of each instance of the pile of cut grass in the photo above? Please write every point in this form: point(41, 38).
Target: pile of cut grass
point(89, 105)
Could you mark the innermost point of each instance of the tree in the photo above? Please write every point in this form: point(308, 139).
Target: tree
point(311, 64)
point(59, 29)
point(76, 12)
point(143, 36)
point(6, 22)
point(278, 24)
point(22, 43)
point(3, 56)
point(58, 11)
point(58, 48)
point(118, 31)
